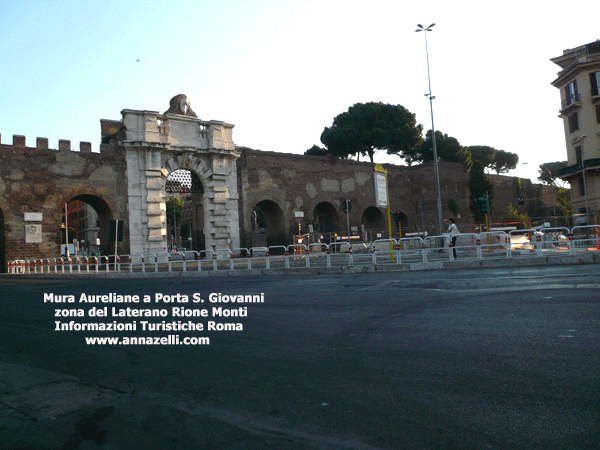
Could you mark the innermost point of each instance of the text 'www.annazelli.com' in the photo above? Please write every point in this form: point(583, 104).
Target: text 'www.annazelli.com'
point(172, 339)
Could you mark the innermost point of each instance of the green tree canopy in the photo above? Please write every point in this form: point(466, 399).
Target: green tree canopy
point(512, 215)
point(448, 149)
point(315, 150)
point(504, 161)
point(479, 184)
point(368, 127)
point(564, 202)
point(483, 154)
point(498, 161)
point(174, 211)
point(548, 173)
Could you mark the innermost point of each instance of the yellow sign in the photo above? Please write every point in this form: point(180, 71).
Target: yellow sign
point(382, 199)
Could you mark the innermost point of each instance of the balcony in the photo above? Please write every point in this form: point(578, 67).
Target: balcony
point(571, 102)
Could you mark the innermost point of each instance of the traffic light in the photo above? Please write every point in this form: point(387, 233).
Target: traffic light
point(521, 200)
point(346, 206)
point(481, 205)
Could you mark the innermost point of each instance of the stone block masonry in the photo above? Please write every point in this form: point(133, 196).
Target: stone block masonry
point(40, 180)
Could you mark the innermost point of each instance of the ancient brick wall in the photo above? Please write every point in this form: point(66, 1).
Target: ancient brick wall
point(538, 198)
point(298, 183)
point(40, 180)
point(297, 191)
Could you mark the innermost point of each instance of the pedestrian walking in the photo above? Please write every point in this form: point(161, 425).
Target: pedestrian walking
point(453, 232)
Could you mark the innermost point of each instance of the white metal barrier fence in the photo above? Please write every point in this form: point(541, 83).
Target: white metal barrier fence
point(497, 244)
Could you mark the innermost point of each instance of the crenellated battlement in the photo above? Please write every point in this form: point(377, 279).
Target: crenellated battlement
point(41, 143)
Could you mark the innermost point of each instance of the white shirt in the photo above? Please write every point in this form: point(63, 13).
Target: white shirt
point(453, 229)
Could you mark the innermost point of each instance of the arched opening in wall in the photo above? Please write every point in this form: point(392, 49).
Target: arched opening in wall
point(373, 223)
point(2, 245)
point(325, 218)
point(85, 227)
point(185, 211)
point(267, 225)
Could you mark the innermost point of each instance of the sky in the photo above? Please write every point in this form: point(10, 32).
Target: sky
point(280, 71)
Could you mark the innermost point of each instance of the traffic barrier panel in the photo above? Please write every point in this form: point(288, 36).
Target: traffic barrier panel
point(317, 255)
point(241, 256)
point(296, 253)
point(384, 247)
point(436, 248)
point(225, 256)
point(341, 253)
point(522, 243)
point(208, 256)
point(467, 246)
point(278, 256)
point(517, 243)
point(585, 238)
point(257, 255)
point(411, 249)
point(555, 240)
point(494, 244)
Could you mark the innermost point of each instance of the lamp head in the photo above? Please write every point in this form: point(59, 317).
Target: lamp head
point(422, 28)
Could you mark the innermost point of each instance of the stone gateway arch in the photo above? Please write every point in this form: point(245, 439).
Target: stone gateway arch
point(42, 189)
point(157, 145)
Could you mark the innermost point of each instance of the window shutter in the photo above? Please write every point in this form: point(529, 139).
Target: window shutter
point(579, 156)
point(594, 82)
point(573, 123)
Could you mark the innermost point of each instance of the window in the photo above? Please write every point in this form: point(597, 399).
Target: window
point(597, 113)
point(573, 122)
point(571, 93)
point(595, 82)
point(582, 187)
point(579, 155)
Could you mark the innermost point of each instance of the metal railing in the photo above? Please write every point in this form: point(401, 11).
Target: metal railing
point(529, 243)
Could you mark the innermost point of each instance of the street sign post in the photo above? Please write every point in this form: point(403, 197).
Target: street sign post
point(347, 207)
point(383, 199)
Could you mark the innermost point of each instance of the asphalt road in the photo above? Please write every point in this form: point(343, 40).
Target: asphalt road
point(455, 359)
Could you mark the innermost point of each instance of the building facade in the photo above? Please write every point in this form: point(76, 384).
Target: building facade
point(579, 84)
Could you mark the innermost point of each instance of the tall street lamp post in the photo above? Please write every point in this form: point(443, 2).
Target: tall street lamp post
point(435, 157)
point(587, 211)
